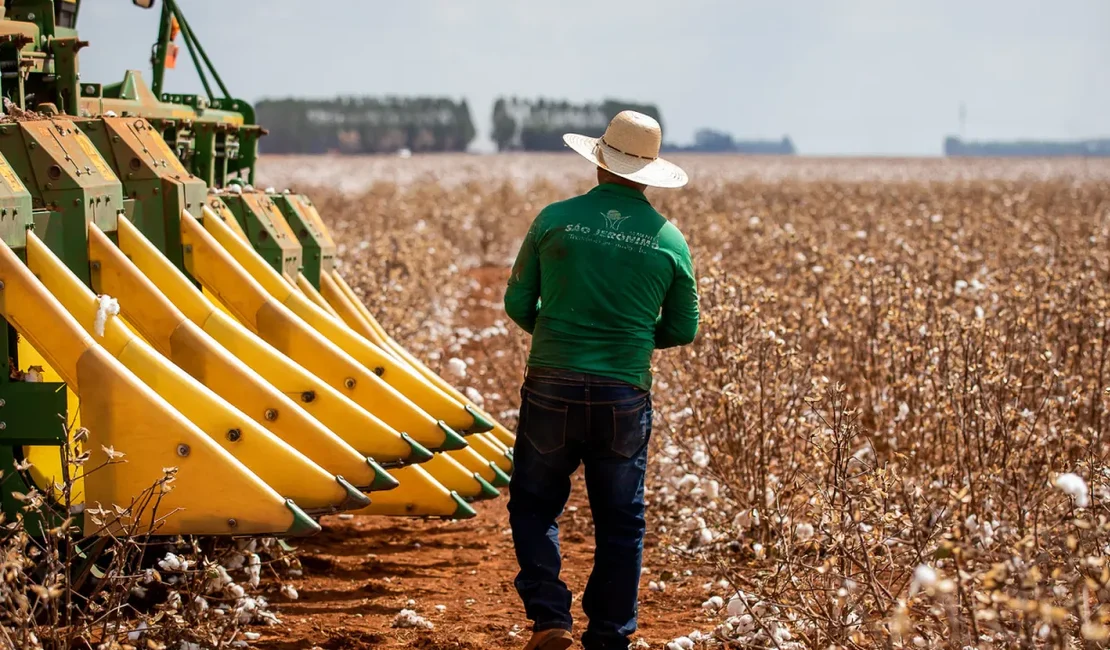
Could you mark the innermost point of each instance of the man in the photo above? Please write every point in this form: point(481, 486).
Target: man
point(600, 282)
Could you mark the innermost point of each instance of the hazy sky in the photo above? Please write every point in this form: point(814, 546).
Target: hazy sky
point(838, 76)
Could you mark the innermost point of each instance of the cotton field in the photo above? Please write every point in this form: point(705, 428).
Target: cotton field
point(891, 431)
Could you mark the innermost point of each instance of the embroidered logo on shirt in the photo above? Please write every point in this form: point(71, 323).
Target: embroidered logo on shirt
point(614, 219)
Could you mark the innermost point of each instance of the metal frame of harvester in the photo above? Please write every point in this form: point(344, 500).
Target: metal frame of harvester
point(238, 356)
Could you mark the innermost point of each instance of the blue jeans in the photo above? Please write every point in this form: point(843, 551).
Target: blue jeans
point(569, 418)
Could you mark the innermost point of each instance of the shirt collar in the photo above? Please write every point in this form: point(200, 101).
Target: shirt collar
point(620, 190)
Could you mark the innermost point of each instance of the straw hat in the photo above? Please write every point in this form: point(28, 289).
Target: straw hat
point(630, 149)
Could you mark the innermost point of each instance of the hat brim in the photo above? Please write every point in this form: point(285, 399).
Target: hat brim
point(656, 173)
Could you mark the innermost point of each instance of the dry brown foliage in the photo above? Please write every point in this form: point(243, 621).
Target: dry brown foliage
point(866, 437)
point(117, 585)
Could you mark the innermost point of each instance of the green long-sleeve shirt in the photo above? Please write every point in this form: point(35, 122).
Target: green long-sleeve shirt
point(600, 282)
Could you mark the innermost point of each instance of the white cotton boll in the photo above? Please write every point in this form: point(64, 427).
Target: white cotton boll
point(705, 536)
point(804, 532)
point(251, 636)
point(1074, 486)
point(457, 367)
point(713, 489)
point(409, 618)
point(474, 396)
point(237, 591)
point(700, 458)
point(715, 602)
point(987, 533)
point(137, 632)
point(736, 606)
point(169, 563)
point(758, 550)
point(745, 624)
point(237, 561)
point(681, 643)
point(924, 577)
point(688, 481)
point(254, 570)
point(441, 608)
point(106, 307)
point(289, 591)
point(410, 603)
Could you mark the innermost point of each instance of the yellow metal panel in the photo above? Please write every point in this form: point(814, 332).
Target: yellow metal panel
point(288, 471)
point(418, 495)
point(312, 294)
point(395, 374)
point(206, 360)
point(214, 267)
point(359, 428)
point(125, 415)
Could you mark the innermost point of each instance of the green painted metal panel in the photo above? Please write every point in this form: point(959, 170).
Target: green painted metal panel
point(266, 229)
point(70, 184)
point(152, 177)
point(15, 207)
point(317, 249)
point(32, 413)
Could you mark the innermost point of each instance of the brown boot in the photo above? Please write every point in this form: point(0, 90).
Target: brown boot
point(553, 639)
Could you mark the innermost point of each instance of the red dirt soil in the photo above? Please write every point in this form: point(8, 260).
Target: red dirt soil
point(360, 572)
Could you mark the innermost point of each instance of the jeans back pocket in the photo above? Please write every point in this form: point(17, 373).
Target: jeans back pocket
point(543, 422)
point(631, 427)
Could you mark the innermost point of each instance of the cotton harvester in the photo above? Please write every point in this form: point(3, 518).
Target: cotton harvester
point(162, 313)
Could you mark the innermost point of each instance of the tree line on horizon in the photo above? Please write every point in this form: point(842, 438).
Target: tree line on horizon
point(956, 147)
point(365, 125)
point(357, 125)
